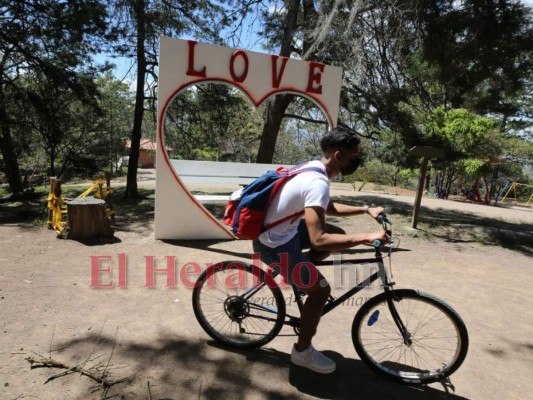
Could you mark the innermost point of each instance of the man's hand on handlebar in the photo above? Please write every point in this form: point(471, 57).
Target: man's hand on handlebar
point(378, 235)
point(375, 211)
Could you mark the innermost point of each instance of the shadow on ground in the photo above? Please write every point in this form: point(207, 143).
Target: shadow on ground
point(28, 210)
point(137, 215)
point(457, 226)
point(178, 368)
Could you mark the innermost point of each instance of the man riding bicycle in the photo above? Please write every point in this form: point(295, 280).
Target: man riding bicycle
point(286, 242)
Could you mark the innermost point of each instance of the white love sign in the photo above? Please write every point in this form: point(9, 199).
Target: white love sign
point(183, 63)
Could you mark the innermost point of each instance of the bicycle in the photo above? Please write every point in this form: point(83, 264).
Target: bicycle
point(403, 334)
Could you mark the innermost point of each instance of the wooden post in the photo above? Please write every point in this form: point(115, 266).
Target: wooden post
point(87, 218)
point(426, 153)
point(419, 191)
point(108, 199)
point(55, 189)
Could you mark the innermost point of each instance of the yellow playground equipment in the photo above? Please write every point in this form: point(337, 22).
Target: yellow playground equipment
point(57, 205)
point(513, 187)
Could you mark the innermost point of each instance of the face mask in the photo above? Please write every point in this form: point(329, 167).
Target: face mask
point(351, 167)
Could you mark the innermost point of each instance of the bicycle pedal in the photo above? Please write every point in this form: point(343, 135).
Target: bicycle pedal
point(330, 299)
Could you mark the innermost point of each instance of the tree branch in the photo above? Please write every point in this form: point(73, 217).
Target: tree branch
point(301, 118)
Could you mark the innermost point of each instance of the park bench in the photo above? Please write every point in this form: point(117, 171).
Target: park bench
point(220, 173)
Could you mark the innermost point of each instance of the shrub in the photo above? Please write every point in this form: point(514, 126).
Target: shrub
point(375, 171)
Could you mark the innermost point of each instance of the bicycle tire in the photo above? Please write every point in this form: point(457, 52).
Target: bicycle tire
point(439, 338)
point(229, 318)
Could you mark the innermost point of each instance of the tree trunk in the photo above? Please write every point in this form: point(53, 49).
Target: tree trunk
point(274, 115)
point(11, 165)
point(476, 190)
point(87, 218)
point(131, 181)
point(277, 106)
point(488, 191)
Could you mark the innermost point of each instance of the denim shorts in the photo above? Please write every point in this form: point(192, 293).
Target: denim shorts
point(289, 259)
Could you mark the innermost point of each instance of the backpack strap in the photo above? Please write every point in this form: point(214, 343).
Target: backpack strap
point(278, 222)
point(291, 173)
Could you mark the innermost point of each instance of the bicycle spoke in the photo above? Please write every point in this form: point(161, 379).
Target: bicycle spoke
point(234, 307)
point(433, 341)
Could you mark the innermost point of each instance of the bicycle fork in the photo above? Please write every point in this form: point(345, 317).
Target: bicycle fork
point(390, 296)
point(396, 317)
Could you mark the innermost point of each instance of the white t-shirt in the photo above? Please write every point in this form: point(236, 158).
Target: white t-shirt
point(307, 189)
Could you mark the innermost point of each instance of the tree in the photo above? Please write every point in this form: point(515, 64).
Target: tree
point(275, 108)
point(406, 57)
point(482, 50)
point(212, 122)
point(116, 103)
point(471, 143)
point(54, 39)
point(140, 23)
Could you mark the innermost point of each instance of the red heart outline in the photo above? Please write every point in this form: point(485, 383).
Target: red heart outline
point(255, 102)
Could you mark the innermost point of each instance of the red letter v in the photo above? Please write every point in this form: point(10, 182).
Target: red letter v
point(276, 77)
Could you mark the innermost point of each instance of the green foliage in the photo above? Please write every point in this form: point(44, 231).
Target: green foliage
point(212, 122)
point(50, 41)
point(114, 125)
point(482, 50)
point(375, 171)
point(461, 133)
point(401, 61)
point(474, 167)
point(380, 173)
point(474, 143)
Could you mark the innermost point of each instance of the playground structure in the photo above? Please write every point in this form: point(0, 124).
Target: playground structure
point(57, 205)
point(513, 188)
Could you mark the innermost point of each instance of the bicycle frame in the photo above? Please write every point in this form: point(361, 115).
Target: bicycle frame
point(381, 273)
point(330, 305)
point(294, 320)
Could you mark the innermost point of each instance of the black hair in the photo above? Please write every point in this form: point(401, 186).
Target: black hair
point(339, 138)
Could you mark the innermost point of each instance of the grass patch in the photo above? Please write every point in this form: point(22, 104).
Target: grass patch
point(28, 208)
point(3, 192)
point(31, 209)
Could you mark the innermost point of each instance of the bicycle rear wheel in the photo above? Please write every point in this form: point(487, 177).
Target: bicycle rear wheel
point(435, 345)
point(236, 307)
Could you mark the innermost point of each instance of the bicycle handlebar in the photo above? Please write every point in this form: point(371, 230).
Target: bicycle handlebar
point(383, 219)
point(386, 223)
point(376, 243)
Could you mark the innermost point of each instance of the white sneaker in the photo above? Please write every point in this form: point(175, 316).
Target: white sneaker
point(313, 360)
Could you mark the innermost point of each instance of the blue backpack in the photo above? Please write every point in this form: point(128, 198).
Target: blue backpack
point(245, 212)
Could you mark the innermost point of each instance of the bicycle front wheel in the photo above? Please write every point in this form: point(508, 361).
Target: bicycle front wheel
point(433, 347)
point(236, 306)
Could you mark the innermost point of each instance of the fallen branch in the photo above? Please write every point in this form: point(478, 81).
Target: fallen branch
point(44, 362)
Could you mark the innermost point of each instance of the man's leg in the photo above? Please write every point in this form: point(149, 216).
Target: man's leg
point(303, 352)
point(317, 295)
point(307, 278)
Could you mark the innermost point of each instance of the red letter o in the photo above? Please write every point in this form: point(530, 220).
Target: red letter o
point(234, 76)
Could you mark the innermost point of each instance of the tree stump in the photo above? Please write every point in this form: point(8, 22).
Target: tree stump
point(87, 218)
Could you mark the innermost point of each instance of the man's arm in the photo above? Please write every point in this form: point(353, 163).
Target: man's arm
point(345, 210)
point(315, 219)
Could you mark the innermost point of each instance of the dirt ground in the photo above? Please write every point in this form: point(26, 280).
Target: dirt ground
point(150, 335)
